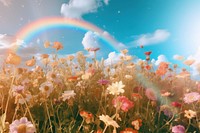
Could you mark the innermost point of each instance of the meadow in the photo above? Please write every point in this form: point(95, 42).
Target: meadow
point(74, 95)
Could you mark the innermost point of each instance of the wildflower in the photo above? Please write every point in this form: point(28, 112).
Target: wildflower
point(45, 56)
point(13, 59)
point(137, 124)
point(116, 88)
point(70, 57)
point(148, 67)
point(17, 89)
point(108, 121)
point(191, 97)
point(128, 77)
point(73, 78)
point(136, 96)
point(148, 53)
point(31, 62)
point(87, 116)
point(22, 126)
point(176, 104)
point(178, 129)
point(19, 99)
point(57, 45)
point(150, 94)
point(127, 58)
point(123, 103)
point(129, 130)
point(46, 88)
point(86, 76)
point(103, 81)
point(68, 94)
point(189, 62)
point(125, 51)
point(190, 114)
point(46, 44)
point(166, 110)
point(166, 94)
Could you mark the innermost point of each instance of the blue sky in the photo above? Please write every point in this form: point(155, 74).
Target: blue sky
point(165, 27)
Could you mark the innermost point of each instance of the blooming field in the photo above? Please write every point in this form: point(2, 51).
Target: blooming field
point(74, 95)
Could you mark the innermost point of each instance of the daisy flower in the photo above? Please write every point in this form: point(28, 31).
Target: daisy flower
point(191, 97)
point(116, 88)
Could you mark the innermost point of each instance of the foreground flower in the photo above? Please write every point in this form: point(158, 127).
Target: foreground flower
point(190, 114)
point(123, 103)
point(88, 117)
point(116, 88)
point(68, 94)
point(46, 88)
point(129, 130)
point(150, 94)
point(22, 126)
point(191, 97)
point(137, 124)
point(108, 121)
point(178, 129)
point(13, 59)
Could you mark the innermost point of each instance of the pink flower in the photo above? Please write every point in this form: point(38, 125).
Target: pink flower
point(103, 81)
point(22, 126)
point(178, 129)
point(191, 97)
point(123, 102)
point(150, 94)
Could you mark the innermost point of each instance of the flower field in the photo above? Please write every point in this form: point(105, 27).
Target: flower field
point(74, 95)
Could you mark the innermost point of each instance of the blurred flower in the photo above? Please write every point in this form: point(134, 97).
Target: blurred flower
point(127, 58)
point(148, 53)
point(31, 62)
point(17, 89)
point(178, 129)
point(86, 76)
point(103, 81)
point(73, 78)
point(137, 124)
point(13, 59)
point(46, 44)
point(136, 96)
point(57, 45)
point(150, 94)
point(176, 104)
point(68, 94)
point(87, 116)
point(166, 94)
point(190, 114)
point(129, 130)
point(46, 88)
point(22, 126)
point(21, 100)
point(116, 88)
point(191, 97)
point(108, 121)
point(189, 62)
point(128, 77)
point(123, 103)
point(70, 57)
point(93, 49)
point(166, 110)
point(125, 51)
point(45, 56)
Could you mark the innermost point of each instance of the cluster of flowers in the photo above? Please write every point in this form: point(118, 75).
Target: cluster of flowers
point(73, 95)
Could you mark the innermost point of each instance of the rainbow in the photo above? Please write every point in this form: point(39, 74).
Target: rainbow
point(29, 31)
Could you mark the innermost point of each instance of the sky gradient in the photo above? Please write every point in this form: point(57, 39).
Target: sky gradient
point(168, 28)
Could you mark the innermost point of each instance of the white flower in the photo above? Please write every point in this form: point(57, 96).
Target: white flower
point(108, 121)
point(128, 77)
point(190, 114)
point(116, 88)
point(68, 94)
point(46, 87)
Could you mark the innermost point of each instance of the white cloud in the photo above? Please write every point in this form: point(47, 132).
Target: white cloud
point(90, 40)
point(106, 2)
point(113, 58)
point(161, 58)
point(178, 57)
point(158, 36)
point(77, 8)
point(5, 2)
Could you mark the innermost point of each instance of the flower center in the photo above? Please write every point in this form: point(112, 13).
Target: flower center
point(46, 88)
point(21, 128)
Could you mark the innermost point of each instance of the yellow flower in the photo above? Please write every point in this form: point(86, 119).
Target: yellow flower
point(13, 59)
point(190, 114)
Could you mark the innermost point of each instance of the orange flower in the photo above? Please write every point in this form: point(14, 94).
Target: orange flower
point(129, 130)
point(31, 62)
point(13, 59)
point(148, 67)
point(46, 44)
point(148, 53)
point(189, 62)
point(72, 78)
point(57, 45)
point(44, 56)
point(136, 95)
point(87, 116)
point(137, 124)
